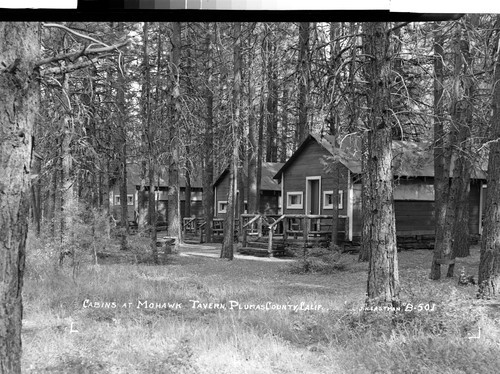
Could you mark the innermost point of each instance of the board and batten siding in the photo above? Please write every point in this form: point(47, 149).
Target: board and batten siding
point(309, 164)
point(269, 200)
point(414, 207)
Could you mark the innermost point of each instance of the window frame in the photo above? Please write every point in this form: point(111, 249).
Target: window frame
point(289, 194)
point(219, 204)
point(129, 202)
point(330, 206)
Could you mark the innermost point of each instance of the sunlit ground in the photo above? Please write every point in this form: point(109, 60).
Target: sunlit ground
point(158, 319)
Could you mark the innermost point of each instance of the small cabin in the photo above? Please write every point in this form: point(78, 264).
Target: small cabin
point(270, 191)
point(307, 185)
point(134, 177)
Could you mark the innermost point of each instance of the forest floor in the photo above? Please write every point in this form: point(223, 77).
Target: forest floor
point(196, 313)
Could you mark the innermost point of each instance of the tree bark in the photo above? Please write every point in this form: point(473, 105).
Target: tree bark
point(260, 147)
point(253, 148)
point(174, 224)
point(463, 117)
point(19, 102)
point(227, 251)
point(208, 157)
point(36, 192)
point(302, 126)
point(121, 149)
point(379, 229)
point(441, 157)
point(284, 127)
point(67, 193)
point(187, 193)
point(150, 132)
point(272, 97)
point(489, 263)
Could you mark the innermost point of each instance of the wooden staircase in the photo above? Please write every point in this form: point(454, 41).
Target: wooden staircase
point(260, 248)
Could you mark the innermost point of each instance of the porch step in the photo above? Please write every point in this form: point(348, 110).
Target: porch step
point(260, 252)
point(251, 251)
point(258, 244)
point(191, 239)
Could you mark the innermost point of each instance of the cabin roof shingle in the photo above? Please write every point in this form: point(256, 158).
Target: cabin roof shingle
point(267, 181)
point(410, 159)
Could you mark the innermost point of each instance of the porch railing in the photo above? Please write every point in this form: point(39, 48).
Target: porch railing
point(288, 226)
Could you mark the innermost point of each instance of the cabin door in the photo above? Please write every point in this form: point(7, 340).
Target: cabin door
point(312, 198)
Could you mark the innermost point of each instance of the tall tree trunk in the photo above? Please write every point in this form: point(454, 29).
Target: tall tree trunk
point(302, 126)
point(19, 103)
point(121, 144)
point(143, 217)
point(67, 193)
point(441, 157)
point(229, 223)
point(489, 263)
point(152, 210)
point(208, 156)
point(36, 192)
point(149, 129)
point(174, 224)
point(52, 209)
point(253, 149)
point(463, 110)
point(142, 198)
point(187, 194)
point(334, 126)
point(379, 229)
point(260, 147)
point(284, 127)
point(272, 97)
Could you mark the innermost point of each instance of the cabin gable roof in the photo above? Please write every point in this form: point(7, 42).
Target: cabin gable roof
point(410, 159)
point(267, 182)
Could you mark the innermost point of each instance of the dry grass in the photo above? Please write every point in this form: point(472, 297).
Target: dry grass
point(337, 339)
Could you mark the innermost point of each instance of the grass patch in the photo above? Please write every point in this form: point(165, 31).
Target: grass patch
point(320, 260)
point(127, 318)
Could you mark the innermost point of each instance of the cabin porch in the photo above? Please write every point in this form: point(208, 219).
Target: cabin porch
point(270, 235)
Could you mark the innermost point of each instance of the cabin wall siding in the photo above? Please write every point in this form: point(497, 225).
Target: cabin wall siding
point(269, 200)
point(196, 205)
point(413, 216)
point(309, 164)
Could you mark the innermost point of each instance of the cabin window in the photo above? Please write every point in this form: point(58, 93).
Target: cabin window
point(130, 200)
point(328, 199)
point(294, 200)
point(222, 207)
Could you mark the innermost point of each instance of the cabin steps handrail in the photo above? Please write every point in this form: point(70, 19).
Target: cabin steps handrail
point(254, 219)
point(187, 221)
point(273, 225)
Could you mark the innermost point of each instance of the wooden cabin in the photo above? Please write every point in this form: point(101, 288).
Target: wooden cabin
point(134, 176)
point(270, 191)
point(307, 185)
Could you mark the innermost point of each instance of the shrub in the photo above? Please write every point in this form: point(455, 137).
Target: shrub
point(319, 260)
point(88, 234)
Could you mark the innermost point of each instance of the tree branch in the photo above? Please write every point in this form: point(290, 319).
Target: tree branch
point(84, 52)
point(70, 68)
point(74, 33)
